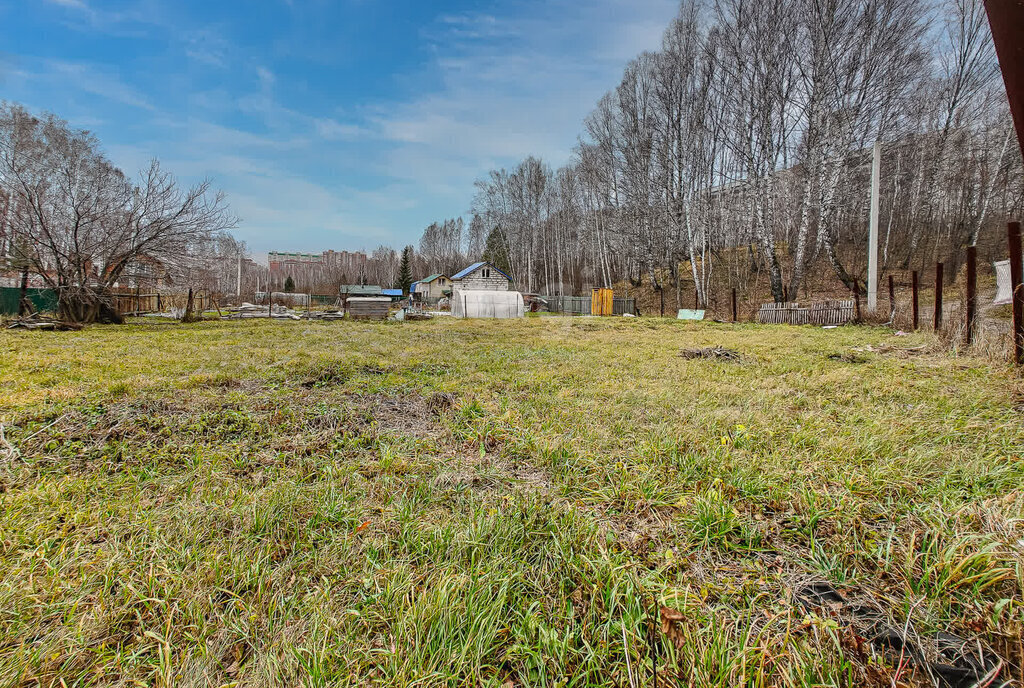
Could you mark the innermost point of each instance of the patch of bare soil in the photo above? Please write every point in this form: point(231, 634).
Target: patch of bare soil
point(896, 351)
point(411, 415)
point(111, 435)
point(847, 358)
point(490, 472)
point(638, 529)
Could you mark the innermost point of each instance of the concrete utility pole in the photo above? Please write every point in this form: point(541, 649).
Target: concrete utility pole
point(238, 284)
point(1006, 19)
point(876, 173)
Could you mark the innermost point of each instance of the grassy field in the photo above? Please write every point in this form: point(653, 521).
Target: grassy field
point(546, 502)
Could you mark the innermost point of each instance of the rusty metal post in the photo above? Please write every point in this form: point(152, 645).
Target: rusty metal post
point(972, 292)
point(937, 322)
point(1006, 19)
point(892, 300)
point(913, 289)
point(734, 310)
point(1016, 280)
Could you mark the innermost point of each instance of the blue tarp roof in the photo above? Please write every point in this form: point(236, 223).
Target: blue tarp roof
point(391, 292)
point(474, 266)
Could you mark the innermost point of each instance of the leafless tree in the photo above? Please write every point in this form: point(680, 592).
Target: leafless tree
point(85, 222)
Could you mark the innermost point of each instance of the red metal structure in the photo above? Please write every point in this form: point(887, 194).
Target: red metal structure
point(1006, 19)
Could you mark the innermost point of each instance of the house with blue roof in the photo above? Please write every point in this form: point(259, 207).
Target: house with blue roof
point(481, 276)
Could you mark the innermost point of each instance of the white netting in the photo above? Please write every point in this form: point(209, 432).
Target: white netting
point(1003, 291)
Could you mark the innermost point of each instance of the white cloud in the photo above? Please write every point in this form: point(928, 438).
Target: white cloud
point(333, 130)
point(477, 26)
point(98, 81)
point(75, 4)
point(266, 77)
point(206, 46)
point(516, 85)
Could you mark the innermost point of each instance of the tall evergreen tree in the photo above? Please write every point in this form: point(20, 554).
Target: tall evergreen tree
point(289, 284)
point(405, 271)
point(496, 251)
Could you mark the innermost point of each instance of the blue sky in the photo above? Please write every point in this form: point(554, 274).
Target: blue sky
point(330, 124)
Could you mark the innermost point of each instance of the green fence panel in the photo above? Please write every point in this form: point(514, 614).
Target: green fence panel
point(323, 299)
point(43, 300)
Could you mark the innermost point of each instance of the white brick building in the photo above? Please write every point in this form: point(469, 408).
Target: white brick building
point(481, 276)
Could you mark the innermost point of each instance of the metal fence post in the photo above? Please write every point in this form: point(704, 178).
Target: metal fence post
point(937, 322)
point(913, 288)
point(972, 292)
point(1016, 279)
point(892, 300)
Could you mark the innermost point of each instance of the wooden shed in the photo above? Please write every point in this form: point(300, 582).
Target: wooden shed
point(348, 291)
point(368, 307)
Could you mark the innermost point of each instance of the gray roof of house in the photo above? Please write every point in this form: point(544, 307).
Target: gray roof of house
point(360, 289)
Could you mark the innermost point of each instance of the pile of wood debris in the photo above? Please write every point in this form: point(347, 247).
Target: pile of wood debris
point(718, 352)
point(38, 322)
point(249, 310)
point(324, 315)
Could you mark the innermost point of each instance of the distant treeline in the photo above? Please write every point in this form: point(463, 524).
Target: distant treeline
point(752, 127)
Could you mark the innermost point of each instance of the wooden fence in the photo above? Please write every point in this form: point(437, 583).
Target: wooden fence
point(822, 313)
point(137, 302)
point(582, 305)
point(123, 300)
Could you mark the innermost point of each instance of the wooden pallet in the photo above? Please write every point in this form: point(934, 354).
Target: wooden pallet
point(821, 313)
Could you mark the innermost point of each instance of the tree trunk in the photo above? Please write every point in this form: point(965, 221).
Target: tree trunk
point(86, 305)
point(189, 316)
point(24, 305)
